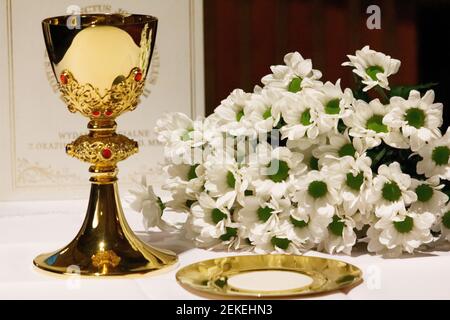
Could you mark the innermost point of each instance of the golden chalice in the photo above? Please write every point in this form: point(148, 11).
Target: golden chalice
point(101, 63)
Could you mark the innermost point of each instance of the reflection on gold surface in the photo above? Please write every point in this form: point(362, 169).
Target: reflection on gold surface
point(212, 276)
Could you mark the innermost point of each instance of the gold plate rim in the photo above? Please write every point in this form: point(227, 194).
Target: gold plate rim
point(322, 283)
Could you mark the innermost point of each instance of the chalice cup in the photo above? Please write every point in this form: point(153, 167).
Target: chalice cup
point(101, 63)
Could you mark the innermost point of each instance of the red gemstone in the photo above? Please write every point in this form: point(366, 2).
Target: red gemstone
point(64, 78)
point(96, 113)
point(106, 153)
point(138, 76)
point(108, 113)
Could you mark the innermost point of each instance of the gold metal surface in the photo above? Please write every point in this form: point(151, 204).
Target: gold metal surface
point(211, 276)
point(101, 63)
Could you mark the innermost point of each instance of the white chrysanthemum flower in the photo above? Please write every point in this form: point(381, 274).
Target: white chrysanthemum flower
point(333, 105)
point(189, 177)
point(391, 190)
point(373, 67)
point(150, 205)
point(258, 217)
point(436, 158)
point(306, 229)
point(231, 114)
point(402, 232)
point(418, 118)
point(276, 241)
point(366, 123)
point(294, 76)
point(274, 170)
point(209, 225)
point(340, 237)
point(318, 192)
point(356, 176)
point(300, 118)
point(224, 180)
point(339, 146)
point(444, 222)
point(262, 109)
point(430, 198)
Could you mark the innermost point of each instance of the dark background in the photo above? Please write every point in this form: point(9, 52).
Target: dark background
point(244, 37)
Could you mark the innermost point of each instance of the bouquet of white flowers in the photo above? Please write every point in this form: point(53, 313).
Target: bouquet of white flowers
point(300, 164)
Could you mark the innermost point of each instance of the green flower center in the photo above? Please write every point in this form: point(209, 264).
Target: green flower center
point(332, 107)
point(441, 155)
point(404, 226)
point(424, 193)
point(355, 182)
point(230, 233)
point(280, 243)
point(217, 216)
point(446, 220)
point(295, 85)
point(298, 223)
point(347, 150)
point(391, 191)
point(231, 180)
point(239, 115)
point(283, 172)
point(192, 174)
point(187, 135)
point(372, 72)
point(375, 123)
point(337, 226)
point(317, 189)
point(305, 118)
point(264, 213)
point(415, 117)
point(314, 163)
point(267, 114)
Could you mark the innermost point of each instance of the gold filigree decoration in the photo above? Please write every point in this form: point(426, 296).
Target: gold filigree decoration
point(86, 99)
point(105, 258)
point(105, 151)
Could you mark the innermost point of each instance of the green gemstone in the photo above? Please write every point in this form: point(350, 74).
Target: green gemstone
point(404, 226)
point(332, 107)
point(347, 150)
point(280, 243)
point(295, 85)
point(298, 223)
point(317, 189)
point(305, 118)
point(239, 115)
point(391, 191)
point(337, 226)
point(314, 163)
point(283, 172)
point(264, 213)
point(217, 215)
point(441, 155)
point(355, 182)
point(267, 114)
point(415, 117)
point(231, 180)
point(372, 71)
point(446, 220)
point(375, 123)
point(230, 233)
point(424, 192)
point(192, 174)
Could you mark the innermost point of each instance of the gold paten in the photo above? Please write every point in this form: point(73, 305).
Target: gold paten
point(210, 277)
point(101, 67)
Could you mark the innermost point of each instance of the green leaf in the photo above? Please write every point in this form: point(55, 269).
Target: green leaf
point(403, 91)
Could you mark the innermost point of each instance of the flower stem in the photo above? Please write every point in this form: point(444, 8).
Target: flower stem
point(383, 94)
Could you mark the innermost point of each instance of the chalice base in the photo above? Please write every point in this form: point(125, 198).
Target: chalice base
point(105, 245)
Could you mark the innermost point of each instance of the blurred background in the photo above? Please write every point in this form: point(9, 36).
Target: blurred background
point(244, 37)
